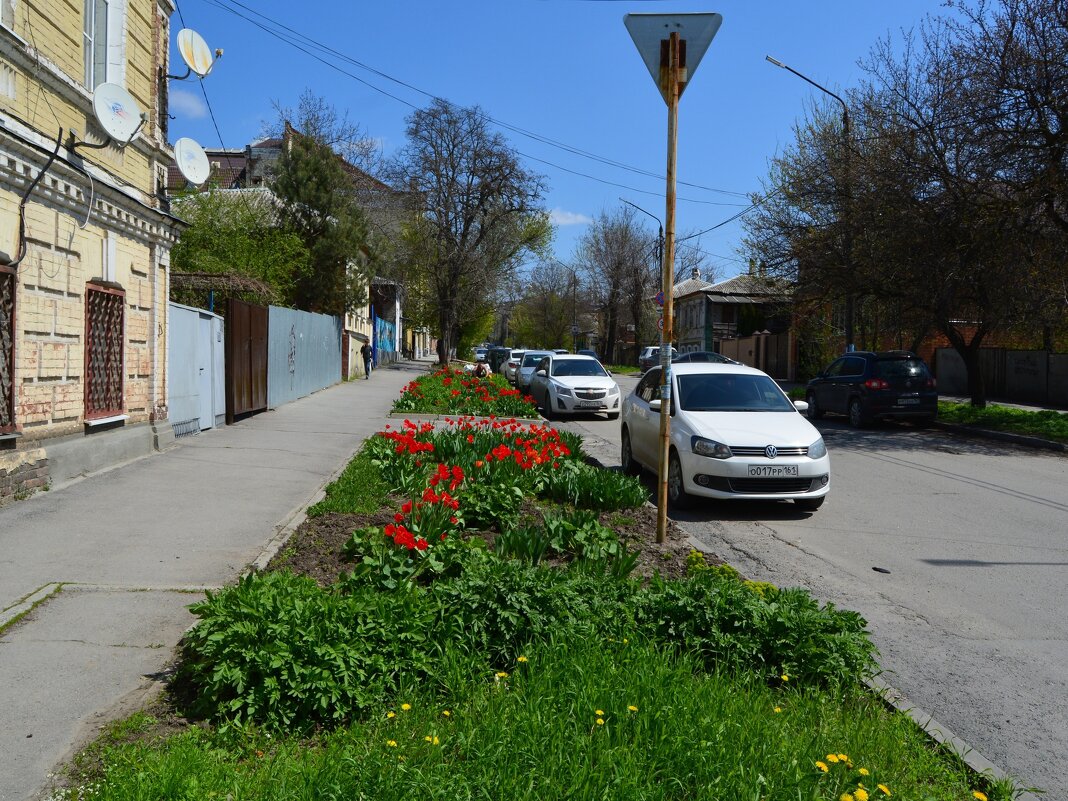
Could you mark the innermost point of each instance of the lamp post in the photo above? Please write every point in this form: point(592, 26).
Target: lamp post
point(843, 192)
point(671, 45)
point(659, 238)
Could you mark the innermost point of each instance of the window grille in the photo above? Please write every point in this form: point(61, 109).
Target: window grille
point(7, 352)
point(103, 352)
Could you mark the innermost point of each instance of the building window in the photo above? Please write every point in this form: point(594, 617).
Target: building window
point(103, 351)
point(104, 42)
point(7, 351)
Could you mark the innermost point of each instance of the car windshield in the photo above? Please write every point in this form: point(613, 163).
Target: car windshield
point(900, 368)
point(531, 359)
point(729, 392)
point(562, 367)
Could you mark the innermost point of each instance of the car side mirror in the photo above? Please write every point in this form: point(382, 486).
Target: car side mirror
point(801, 406)
point(654, 405)
point(540, 372)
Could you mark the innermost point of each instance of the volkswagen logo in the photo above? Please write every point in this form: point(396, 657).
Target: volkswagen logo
point(771, 451)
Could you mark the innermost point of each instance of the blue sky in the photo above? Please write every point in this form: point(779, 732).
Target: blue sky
point(562, 70)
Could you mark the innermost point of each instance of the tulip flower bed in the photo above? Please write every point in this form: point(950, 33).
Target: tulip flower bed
point(448, 391)
point(444, 664)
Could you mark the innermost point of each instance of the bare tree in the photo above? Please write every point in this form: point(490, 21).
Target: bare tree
point(616, 257)
point(481, 212)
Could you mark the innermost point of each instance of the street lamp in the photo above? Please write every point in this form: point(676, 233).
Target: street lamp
point(659, 238)
point(671, 45)
point(843, 194)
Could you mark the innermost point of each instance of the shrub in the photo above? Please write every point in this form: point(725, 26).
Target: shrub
point(735, 628)
point(277, 650)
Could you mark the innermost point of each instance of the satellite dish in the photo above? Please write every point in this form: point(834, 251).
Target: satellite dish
point(192, 161)
point(117, 112)
point(195, 51)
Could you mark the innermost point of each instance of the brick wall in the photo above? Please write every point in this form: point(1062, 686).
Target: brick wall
point(22, 473)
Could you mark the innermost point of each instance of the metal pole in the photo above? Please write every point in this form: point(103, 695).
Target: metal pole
point(667, 332)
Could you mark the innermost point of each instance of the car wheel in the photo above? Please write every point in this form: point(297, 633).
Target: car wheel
point(858, 418)
point(626, 457)
point(547, 407)
point(814, 410)
point(809, 504)
point(678, 498)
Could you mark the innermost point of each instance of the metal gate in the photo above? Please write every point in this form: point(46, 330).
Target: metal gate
point(246, 358)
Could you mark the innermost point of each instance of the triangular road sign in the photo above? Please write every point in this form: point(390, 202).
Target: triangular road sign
point(649, 30)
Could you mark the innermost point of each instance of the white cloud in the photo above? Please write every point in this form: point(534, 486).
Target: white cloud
point(187, 104)
point(561, 217)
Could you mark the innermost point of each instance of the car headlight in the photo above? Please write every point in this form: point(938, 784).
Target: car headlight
point(562, 390)
point(613, 390)
point(710, 448)
point(817, 450)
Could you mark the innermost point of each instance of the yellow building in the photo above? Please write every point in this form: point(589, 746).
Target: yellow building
point(84, 239)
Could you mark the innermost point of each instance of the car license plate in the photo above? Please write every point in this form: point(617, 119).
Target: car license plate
point(908, 401)
point(589, 404)
point(773, 471)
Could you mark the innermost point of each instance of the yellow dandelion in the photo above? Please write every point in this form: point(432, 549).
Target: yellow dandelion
point(446, 712)
point(600, 721)
point(625, 641)
point(832, 757)
point(846, 797)
point(860, 794)
point(391, 714)
point(502, 674)
point(599, 712)
point(632, 708)
point(822, 766)
point(405, 707)
point(862, 771)
point(883, 789)
point(427, 738)
point(778, 709)
point(979, 796)
point(843, 757)
point(435, 741)
point(391, 743)
point(521, 659)
point(785, 677)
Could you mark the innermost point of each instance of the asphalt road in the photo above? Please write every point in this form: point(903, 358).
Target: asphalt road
point(970, 618)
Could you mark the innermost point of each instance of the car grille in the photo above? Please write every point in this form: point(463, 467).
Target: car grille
point(590, 394)
point(759, 451)
point(770, 485)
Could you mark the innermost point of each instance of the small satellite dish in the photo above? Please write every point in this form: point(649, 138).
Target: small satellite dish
point(195, 52)
point(117, 112)
point(192, 161)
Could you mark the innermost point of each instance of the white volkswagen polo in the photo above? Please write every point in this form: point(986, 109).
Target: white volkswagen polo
point(734, 434)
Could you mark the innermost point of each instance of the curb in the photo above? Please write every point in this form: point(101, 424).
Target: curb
point(26, 604)
point(1002, 436)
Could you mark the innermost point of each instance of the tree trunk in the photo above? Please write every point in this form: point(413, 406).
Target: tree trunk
point(976, 385)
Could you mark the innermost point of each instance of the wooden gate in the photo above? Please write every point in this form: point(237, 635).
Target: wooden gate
point(246, 359)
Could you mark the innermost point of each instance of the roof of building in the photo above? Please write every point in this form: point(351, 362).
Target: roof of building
point(746, 288)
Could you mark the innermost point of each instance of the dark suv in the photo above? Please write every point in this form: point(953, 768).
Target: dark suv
point(866, 386)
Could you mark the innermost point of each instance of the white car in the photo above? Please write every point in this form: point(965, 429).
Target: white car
point(526, 368)
point(511, 367)
point(734, 434)
point(572, 384)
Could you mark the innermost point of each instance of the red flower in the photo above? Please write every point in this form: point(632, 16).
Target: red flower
point(421, 544)
point(398, 517)
point(406, 507)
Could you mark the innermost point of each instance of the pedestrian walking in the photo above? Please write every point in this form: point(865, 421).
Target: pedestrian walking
point(367, 352)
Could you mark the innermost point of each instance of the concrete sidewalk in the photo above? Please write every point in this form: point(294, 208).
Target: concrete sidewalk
point(104, 568)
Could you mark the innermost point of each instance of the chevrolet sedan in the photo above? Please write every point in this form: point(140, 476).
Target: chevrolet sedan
point(572, 384)
point(734, 434)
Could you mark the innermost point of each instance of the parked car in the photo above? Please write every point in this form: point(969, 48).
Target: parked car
point(511, 367)
point(587, 352)
point(702, 356)
point(734, 435)
point(561, 350)
point(866, 386)
point(497, 357)
point(650, 357)
point(571, 384)
point(526, 368)
point(479, 353)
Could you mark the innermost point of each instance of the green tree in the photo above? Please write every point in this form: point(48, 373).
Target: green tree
point(231, 233)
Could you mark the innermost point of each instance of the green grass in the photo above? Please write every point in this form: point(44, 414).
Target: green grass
point(623, 369)
point(1047, 424)
point(358, 490)
point(534, 734)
